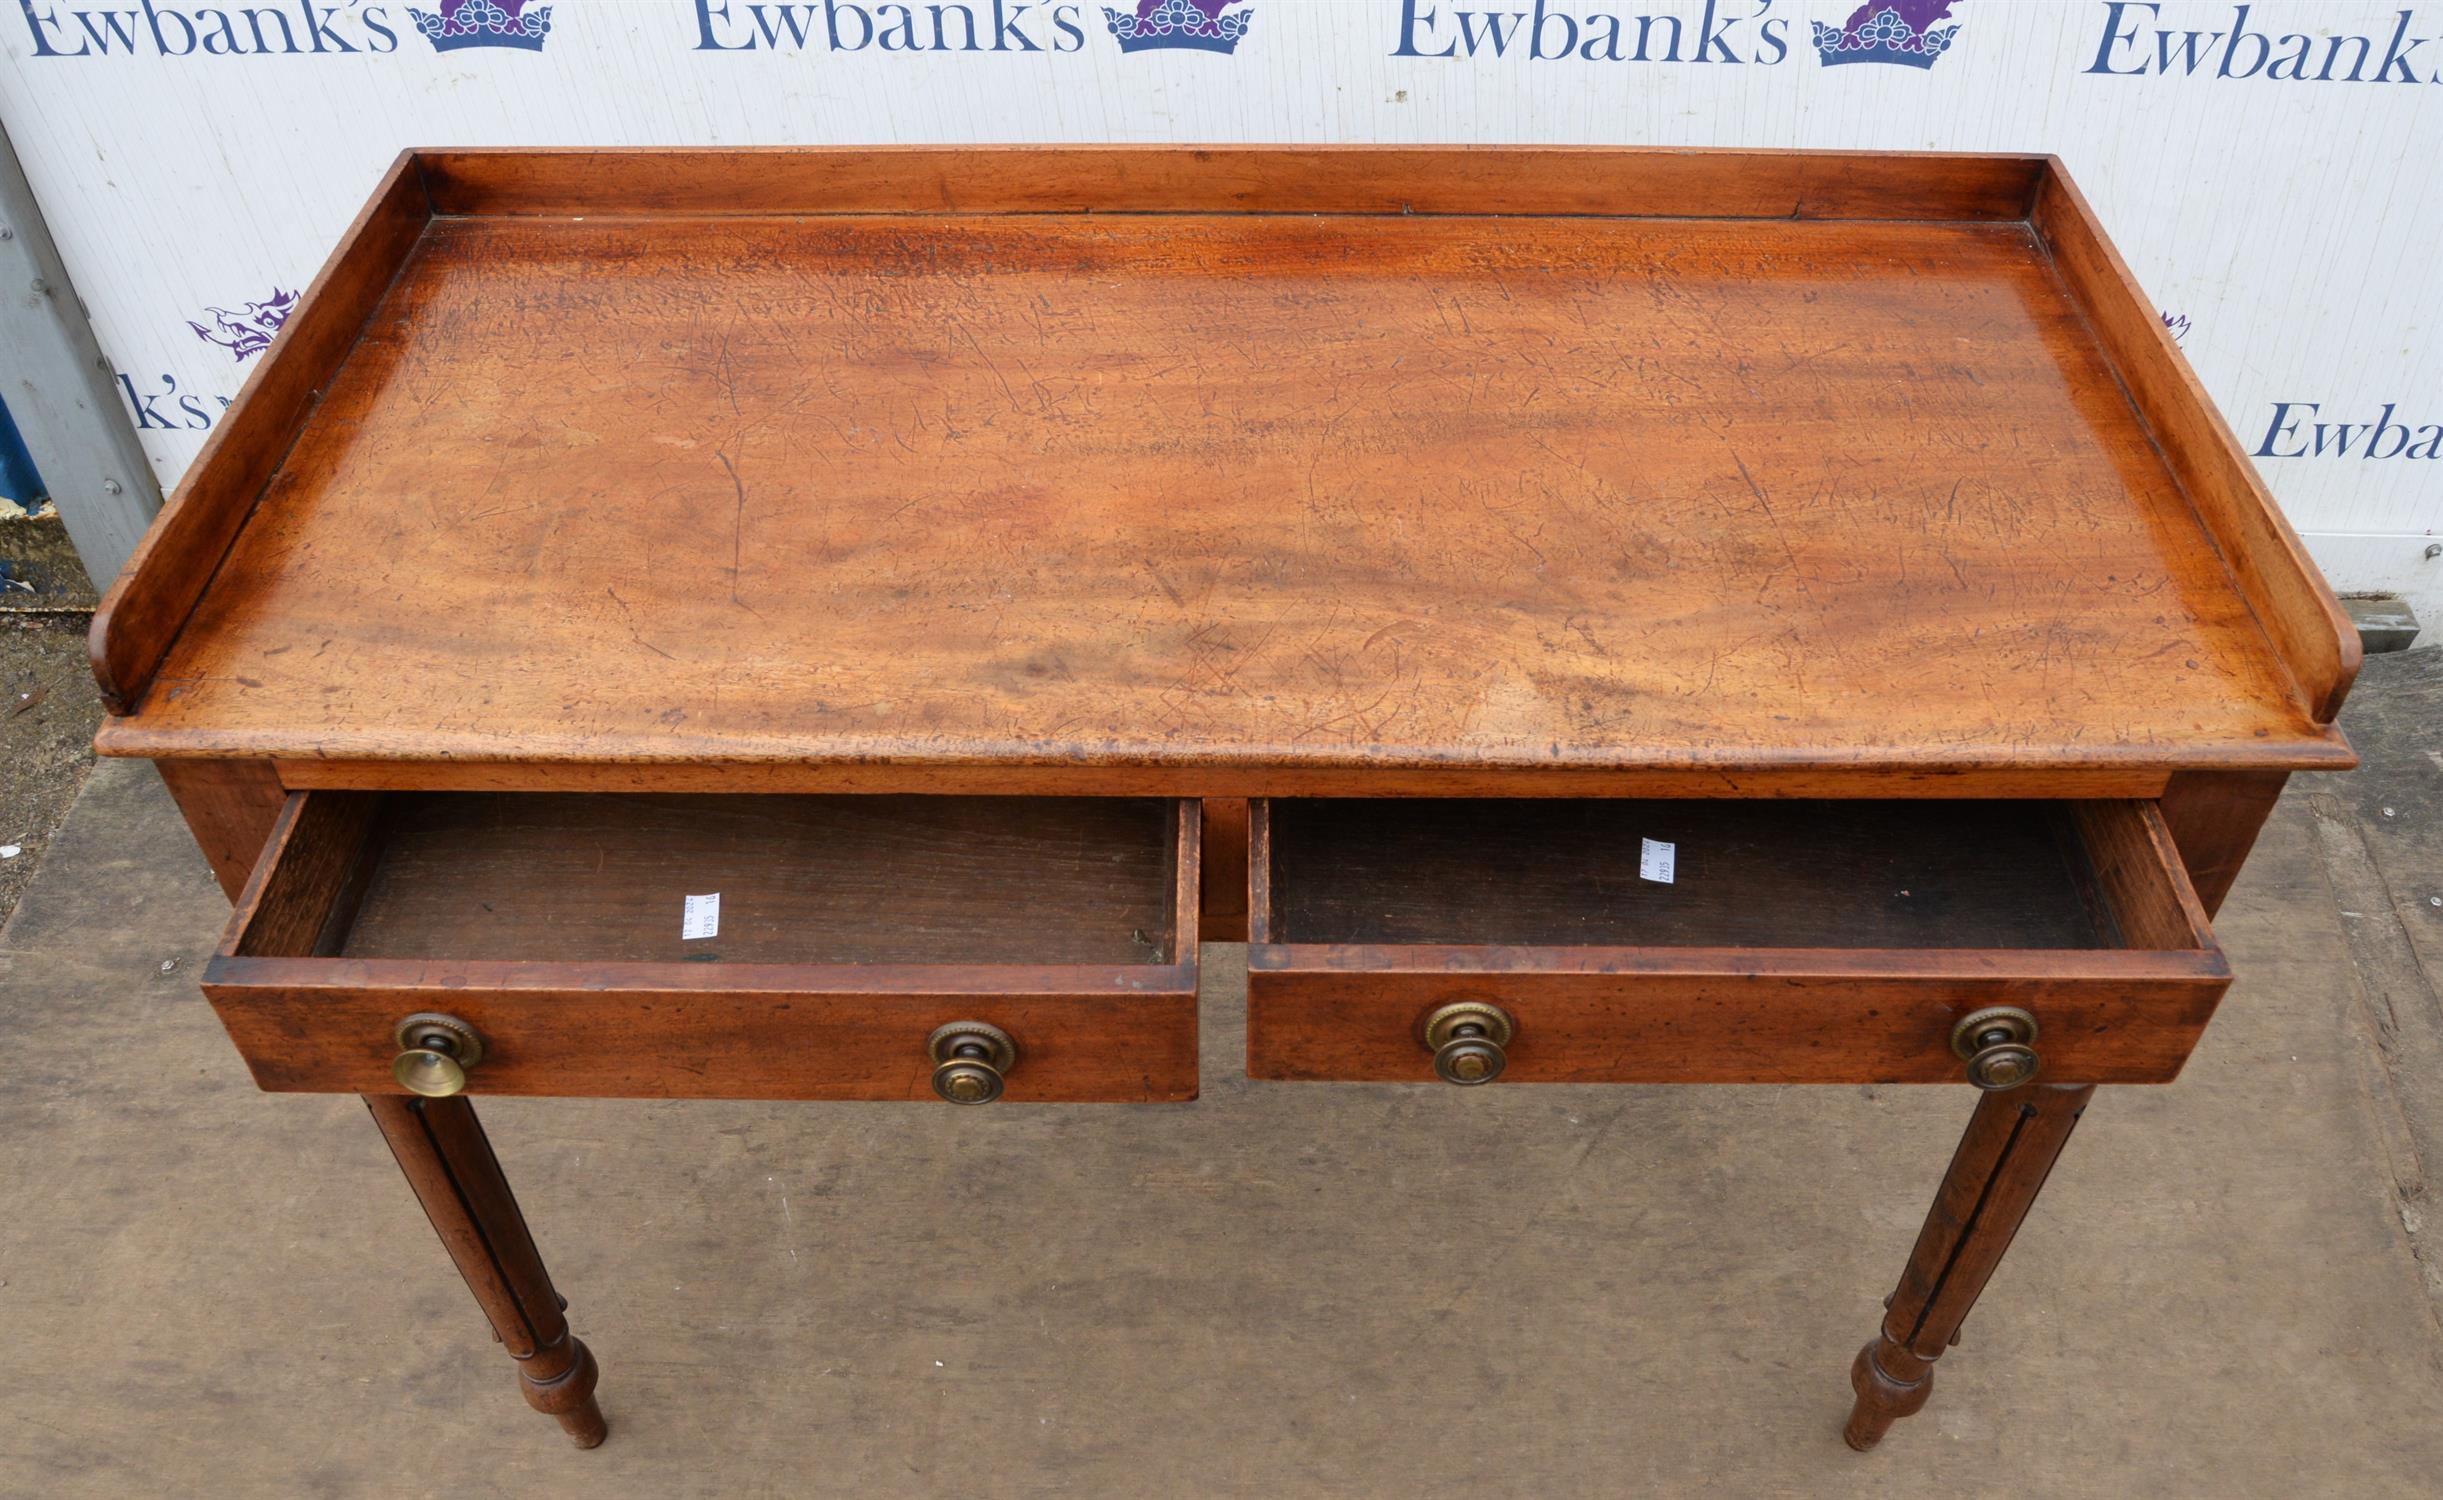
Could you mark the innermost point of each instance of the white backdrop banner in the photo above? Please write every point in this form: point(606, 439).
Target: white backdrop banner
point(2269, 167)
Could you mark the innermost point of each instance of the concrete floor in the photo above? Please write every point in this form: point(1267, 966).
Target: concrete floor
point(1281, 1290)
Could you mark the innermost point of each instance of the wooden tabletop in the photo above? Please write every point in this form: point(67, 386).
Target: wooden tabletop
point(1238, 496)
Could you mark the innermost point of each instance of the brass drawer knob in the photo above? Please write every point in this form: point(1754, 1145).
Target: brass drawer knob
point(1999, 1045)
point(1466, 1038)
point(435, 1052)
point(971, 1061)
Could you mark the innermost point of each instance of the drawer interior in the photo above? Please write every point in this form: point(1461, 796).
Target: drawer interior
point(584, 877)
point(1745, 874)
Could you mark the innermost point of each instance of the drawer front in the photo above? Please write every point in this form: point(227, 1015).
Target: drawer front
point(1620, 1018)
point(853, 1039)
point(366, 911)
point(2127, 1007)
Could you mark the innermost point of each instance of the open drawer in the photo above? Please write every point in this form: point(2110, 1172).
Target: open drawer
point(1723, 942)
point(555, 928)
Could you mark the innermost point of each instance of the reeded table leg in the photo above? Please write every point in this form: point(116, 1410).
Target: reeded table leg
point(2010, 1147)
point(441, 1147)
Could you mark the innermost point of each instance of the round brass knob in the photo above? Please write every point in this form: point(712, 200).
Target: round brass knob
point(1999, 1045)
point(435, 1052)
point(1466, 1038)
point(971, 1061)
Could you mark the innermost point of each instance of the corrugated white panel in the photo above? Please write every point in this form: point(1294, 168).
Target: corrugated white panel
point(2295, 224)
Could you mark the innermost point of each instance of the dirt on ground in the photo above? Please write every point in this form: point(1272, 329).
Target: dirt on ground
point(48, 706)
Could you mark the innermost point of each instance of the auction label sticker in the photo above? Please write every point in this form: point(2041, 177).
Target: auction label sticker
point(1656, 860)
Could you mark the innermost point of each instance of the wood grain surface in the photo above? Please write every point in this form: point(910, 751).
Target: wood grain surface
point(1723, 1015)
point(179, 555)
point(851, 927)
point(864, 880)
point(675, 1031)
point(1700, 182)
point(1413, 495)
point(230, 806)
point(448, 1160)
point(2268, 562)
point(2214, 818)
point(1040, 779)
point(1745, 874)
point(2002, 1162)
point(1806, 968)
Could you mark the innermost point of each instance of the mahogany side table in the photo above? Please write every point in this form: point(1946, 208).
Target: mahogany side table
point(827, 624)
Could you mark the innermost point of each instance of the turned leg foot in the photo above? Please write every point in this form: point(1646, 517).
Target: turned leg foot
point(568, 1397)
point(441, 1147)
point(2010, 1146)
point(1881, 1399)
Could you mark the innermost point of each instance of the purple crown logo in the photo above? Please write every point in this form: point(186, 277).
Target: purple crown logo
point(1888, 31)
point(2178, 323)
point(246, 334)
point(1196, 24)
point(483, 23)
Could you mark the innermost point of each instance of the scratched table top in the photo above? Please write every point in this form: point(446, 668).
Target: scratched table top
point(1257, 493)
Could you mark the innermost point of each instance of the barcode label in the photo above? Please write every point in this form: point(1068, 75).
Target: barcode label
point(703, 918)
point(1656, 860)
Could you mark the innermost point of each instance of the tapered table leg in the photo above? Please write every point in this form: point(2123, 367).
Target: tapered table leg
point(2011, 1144)
point(441, 1147)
